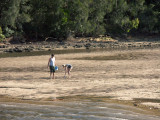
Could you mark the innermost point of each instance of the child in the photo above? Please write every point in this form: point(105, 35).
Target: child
point(67, 68)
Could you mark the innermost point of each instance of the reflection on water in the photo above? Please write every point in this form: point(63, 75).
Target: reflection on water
point(84, 110)
point(64, 51)
point(36, 53)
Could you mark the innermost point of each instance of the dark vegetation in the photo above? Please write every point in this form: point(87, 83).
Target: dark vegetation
point(60, 19)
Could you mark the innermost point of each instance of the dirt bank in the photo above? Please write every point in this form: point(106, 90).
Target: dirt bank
point(80, 43)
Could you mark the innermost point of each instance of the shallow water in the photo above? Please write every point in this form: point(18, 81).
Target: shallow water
point(36, 53)
point(76, 110)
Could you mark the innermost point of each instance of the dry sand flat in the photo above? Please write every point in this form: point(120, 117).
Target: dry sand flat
point(123, 75)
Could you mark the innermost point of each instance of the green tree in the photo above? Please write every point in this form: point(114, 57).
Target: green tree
point(61, 18)
point(76, 13)
point(150, 17)
point(122, 16)
point(97, 12)
point(13, 17)
point(1, 34)
point(46, 17)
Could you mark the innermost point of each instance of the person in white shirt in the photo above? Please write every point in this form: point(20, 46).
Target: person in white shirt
point(67, 68)
point(51, 65)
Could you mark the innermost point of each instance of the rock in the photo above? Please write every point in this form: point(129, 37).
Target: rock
point(5, 42)
point(87, 45)
point(77, 46)
point(28, 49)
point(17, 49)
point(9, 50)
point(2, 46)
point(62, 43)
point(47, 46)
point(101, 45)
point(65, 47)
point(135, 104)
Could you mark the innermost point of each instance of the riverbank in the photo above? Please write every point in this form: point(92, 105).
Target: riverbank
point(79, 43)
point(130, 76)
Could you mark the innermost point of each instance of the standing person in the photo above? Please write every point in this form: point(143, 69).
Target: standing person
point(51, 65)
point(67, 68)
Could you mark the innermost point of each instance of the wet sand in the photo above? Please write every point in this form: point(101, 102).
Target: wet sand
point(129, 76)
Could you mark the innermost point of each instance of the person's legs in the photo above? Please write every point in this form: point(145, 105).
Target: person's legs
point(52, 70)
point(53, 76)
point(69, 72)
point(65, 69)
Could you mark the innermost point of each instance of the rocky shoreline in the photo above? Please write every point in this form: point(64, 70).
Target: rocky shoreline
point(76, 44)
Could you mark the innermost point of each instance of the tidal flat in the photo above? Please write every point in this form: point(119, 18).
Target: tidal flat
point(129, 77)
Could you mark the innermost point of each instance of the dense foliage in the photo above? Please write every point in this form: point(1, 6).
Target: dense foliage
point(62, 18)
point(1, 35)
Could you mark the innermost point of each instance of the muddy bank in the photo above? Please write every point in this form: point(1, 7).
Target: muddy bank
point(79, 43)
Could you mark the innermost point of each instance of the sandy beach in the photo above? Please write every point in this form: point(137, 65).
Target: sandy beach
point(132, 75)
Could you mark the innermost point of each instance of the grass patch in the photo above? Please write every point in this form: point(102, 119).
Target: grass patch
point(129, 56)
point(140, 100)
point(90, 98)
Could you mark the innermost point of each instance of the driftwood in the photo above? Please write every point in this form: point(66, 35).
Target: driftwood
point(47, 38)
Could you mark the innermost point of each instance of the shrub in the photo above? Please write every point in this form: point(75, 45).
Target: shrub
point(1, 35)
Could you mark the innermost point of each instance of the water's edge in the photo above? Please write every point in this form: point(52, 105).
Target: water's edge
point(139, 108)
